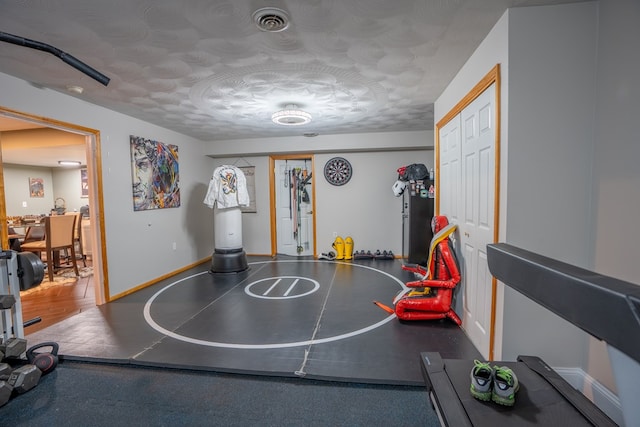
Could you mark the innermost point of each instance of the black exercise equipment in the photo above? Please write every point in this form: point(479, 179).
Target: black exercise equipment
point(18, 271)
point(545, 398)
point(18, 381)
point(5, 392)
point(605, 307)
point(602, 306)
point(5, 370)
point(30, 270)
point(65, 57)
point(7, 301)
point(228, 255)
point(13, 347)
point(45, 361)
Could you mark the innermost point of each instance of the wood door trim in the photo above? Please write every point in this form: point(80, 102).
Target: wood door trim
point(94, 168)
point(272, 197)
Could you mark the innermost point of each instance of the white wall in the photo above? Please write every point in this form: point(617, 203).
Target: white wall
point(493, 50)
point(364, 208)
point(367, 142)
point(139, 244)
point(58, 182)
point(67, 184)
point(570, 152)
point(617, 142)
point(552, 57)
point(544, 185)
point(16, 189)
point(616, 173)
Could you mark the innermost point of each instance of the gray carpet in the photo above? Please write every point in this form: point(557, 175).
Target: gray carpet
point(83, 394)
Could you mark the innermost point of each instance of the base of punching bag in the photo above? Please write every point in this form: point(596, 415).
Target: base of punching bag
point(229, 261)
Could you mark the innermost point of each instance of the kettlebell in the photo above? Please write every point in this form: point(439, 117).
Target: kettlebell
point(46, 362)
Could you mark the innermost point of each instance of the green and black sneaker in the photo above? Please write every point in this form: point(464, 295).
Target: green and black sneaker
point(481, 380)
point(505, 386)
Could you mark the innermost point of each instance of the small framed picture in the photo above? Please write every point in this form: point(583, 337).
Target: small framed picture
point(36, 187)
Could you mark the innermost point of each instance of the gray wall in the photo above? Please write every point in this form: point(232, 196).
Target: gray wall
point(616, 173)
point(364, 208)
point(570, 176)
point(58, 182)
point(16, 189)
point(545, 187)
point(140, 244)
point(552, 57)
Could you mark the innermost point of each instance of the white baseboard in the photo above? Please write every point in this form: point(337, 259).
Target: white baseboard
point(601, 396)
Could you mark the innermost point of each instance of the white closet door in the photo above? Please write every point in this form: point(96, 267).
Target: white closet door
point(450, 175)
point(476, 222)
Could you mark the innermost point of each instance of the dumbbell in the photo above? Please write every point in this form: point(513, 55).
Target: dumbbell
point(13, 347)
point(7, 301)
point(17, 381)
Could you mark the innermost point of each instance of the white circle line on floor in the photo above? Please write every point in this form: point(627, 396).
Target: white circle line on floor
point(289, 293)
point(171, 334)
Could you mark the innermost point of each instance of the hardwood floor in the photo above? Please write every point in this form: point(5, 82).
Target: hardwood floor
point(55, 303)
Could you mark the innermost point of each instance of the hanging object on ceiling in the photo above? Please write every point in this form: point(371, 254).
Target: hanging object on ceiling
point(291, 116)
point(65, 57)
point(338, 171)
point(271, 19)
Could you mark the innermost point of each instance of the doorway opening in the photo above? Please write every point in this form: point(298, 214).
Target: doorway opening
point(94, 190)
point(292, 194)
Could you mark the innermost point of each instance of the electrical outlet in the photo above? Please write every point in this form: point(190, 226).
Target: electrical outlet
point(175, 246)
point(24, 204)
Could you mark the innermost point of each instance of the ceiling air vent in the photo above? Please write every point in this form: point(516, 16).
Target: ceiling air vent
point(271, 19)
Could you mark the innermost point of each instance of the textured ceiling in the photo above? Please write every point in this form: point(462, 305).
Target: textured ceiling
point(203, 68)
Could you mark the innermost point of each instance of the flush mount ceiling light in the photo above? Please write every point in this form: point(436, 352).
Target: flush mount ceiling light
point(291, 116)
point(69, 163)
point(271, 19)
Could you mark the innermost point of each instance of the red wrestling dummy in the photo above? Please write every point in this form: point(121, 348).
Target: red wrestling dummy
point(430, 297)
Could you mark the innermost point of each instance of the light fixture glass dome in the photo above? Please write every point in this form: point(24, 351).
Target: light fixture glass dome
point(291, 116)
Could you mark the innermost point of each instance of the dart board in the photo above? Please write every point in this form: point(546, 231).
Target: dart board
point(338, 171)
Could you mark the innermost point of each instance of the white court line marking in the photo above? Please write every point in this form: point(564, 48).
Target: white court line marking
point(293, 285)
point(171, 334)
point(247, 289)
point(272, 286)
point(301, 372)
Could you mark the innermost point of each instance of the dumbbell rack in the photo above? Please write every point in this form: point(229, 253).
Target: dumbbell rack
point(12, 324)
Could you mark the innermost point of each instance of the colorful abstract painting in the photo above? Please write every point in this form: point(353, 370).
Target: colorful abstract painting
point(155, 173)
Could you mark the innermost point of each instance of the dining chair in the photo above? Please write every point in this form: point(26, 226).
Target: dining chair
point(33, 234)
point(77, 235)
point(14, 242)
point(59, 232)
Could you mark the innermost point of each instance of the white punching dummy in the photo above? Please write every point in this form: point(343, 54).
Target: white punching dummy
point(227, 192)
